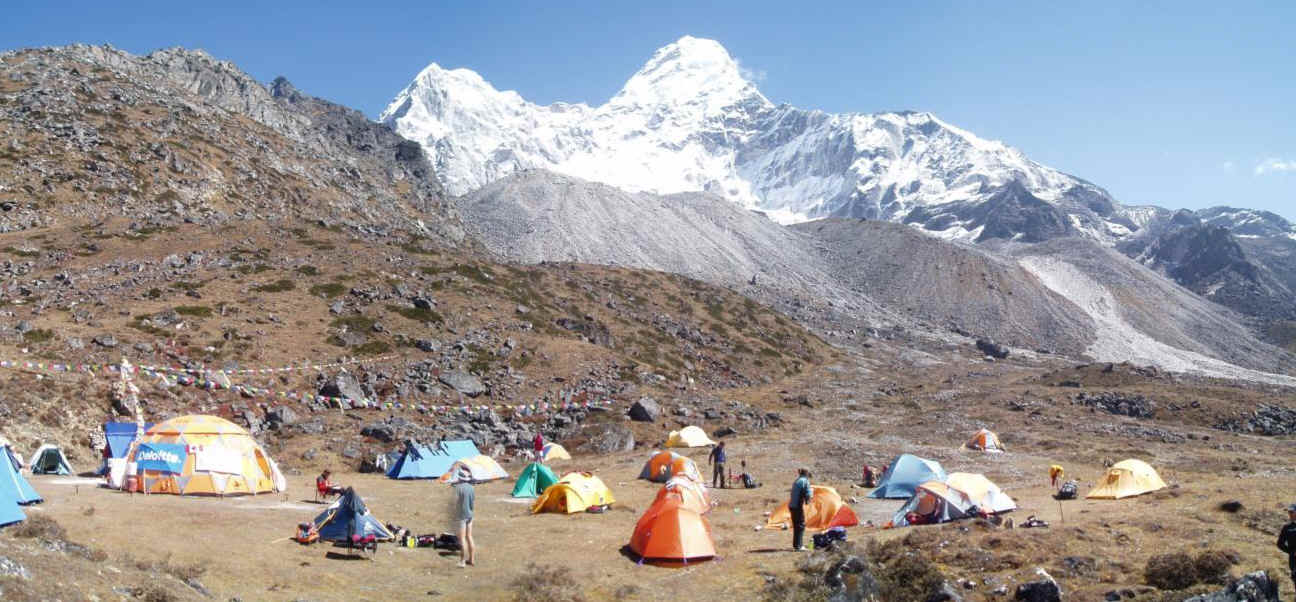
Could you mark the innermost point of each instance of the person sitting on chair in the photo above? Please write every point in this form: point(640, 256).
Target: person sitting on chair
point(325, 486)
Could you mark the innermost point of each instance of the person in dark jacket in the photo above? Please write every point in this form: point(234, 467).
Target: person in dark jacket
point(796, 507)
point(717, 461)
point(1287, 541)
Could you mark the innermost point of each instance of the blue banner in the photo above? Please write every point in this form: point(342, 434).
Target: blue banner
point(164, 457)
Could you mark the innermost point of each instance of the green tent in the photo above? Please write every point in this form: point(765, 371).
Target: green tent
point(534, 479)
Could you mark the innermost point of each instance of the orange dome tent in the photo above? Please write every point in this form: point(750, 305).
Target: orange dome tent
point(985, 440)
point(203, 455)
point(825, 510)
point(668, 531)
point(693, 495)
point(674, 463)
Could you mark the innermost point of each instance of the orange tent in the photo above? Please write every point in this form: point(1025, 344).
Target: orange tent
point(674, 465)
point(692, 494)
point(203, 455)
point(825, 510)
point(669, 531)
point(984, 440)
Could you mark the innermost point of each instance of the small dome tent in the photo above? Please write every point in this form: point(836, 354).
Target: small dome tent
point(483, 468)
point(961, 495)
point(668, 531)
point(664, 464)
point(553, 451)
point(430, 461)
point(534, 480)
point(575, 492)
point(903, 476)
point(349, 516)
point(1125, 479)
point(12, 483)
point(49, 459)
point(985, 440)
point(825, 511)
point(689, 436)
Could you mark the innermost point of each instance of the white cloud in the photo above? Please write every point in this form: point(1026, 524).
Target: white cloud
point(1273, 164)
point(1228, 166)
point(754, 76)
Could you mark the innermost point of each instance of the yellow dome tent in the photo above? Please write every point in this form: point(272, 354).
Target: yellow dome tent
point(1125, 479)
point(553, 451)
point(689, 436)
point(203, 455)
point(575, 492)
point(482, 468)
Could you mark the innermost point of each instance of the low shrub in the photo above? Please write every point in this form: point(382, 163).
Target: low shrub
point(197, 311)
point(328, 291)
point(39, 526)
point(542, 583)
point(1170, 571)
point(38, 335)
point(277, 286)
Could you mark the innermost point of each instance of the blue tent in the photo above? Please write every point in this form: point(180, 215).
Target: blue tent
point(12, 483)
point(905, 473)
point(430, 462)
point(349, 516)
point(120, 435)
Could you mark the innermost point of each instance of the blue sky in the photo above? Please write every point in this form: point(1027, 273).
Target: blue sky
point(1178, 104)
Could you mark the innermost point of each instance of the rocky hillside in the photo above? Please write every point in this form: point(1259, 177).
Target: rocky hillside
point(1239, 258)
point(960, 288)
point(176, 136)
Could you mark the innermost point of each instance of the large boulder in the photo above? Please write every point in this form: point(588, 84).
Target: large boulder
point(1252, 587)
point(463, 382)
point(992, 348)
point(282, 416)
point(645, 410)
point(343, 385)
point(606, 438)
point(1044, 589)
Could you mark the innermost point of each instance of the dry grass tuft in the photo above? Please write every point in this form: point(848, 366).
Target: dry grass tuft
point(543, 583)
point(38, 526)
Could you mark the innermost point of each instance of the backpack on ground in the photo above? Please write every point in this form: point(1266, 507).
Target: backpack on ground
point(829, 538)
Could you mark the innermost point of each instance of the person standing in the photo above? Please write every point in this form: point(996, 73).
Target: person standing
point(538, 444)
point(717, 461)
point(1055, 474)
point(796, 506)
point(465, 497)
point(1287, 541)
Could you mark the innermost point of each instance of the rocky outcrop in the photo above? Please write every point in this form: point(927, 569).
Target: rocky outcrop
point(1252, 587)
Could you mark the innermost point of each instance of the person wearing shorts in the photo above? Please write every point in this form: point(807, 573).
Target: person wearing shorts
point(465, 496)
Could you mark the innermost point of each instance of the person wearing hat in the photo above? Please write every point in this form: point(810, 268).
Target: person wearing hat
point(1287, 541)
point(463, 513)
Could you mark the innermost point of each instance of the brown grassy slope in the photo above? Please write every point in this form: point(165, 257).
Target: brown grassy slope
point(260, 296)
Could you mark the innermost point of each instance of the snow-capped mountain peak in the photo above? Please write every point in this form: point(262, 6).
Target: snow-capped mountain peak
point(689, 120)
point(690, 71)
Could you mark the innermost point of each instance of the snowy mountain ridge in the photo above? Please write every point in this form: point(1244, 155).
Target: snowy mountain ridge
point(689, 120)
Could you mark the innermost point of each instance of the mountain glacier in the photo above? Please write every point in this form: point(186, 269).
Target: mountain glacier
point(690, 121)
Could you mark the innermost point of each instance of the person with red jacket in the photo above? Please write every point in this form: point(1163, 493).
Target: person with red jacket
point(538, 443)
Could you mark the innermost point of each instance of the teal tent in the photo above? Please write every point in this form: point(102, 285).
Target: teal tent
point(903, 476)
point(349, 517)
point(12, 483)
point(534, 479)
point(10, 512)
point(49, 459)
point(430, 461)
